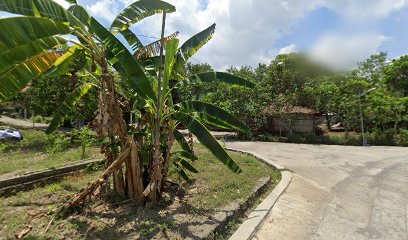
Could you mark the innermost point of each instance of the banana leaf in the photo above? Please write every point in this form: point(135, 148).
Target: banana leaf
point(206, 139)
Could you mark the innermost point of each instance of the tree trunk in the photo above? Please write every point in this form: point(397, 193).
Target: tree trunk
point(153, 189)
point(346, 129)
point(135, 169)
point(190, 140)
point(396, 128)
point(110, 123)
point(166, 159)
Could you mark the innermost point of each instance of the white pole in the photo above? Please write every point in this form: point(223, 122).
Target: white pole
point(362, 120)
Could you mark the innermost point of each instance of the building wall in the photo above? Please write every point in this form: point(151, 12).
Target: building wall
point(302, 123)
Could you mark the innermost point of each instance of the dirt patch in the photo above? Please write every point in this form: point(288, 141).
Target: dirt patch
point(174, 217)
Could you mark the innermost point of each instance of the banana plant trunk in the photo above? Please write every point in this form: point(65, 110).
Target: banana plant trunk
point(153, 190)
point(110, 123)
point(166, 158)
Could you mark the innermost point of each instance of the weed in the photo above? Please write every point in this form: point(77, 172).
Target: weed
point(85, 137)
point(53, 188)
point(57, 142)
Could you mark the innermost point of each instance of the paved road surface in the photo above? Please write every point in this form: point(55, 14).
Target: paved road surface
point(20, 123)
point(337, 192)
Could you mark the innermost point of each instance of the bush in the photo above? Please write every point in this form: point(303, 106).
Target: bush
point(295, 138)
point(57, 142)
point(311, 139)
point(388, 138)
point(377, 138)
point(37, 119)
point(402, 138)
point(85, 137)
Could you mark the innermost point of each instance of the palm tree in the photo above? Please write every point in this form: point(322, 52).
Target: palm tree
point(30, 46)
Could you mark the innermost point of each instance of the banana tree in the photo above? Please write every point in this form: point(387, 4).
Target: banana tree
point(30, 45)
point(194, 115)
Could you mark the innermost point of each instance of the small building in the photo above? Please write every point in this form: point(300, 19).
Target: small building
point(291, 119)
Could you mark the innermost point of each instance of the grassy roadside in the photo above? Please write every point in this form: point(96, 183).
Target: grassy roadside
point(213, 187)
point(30, 154)
point(224, 185)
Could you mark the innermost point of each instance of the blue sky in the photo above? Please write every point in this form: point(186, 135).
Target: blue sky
point(308, 29)
point(336, 33)
point(322, 20)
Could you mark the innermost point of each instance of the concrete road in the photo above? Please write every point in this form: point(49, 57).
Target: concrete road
point(337, 192)
point(20, 123)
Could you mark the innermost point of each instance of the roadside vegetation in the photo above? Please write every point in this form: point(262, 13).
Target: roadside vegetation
point(377, 86)
point(210, 189)
point(107, 95)
point(38, 151)
point(136, 114)
point(376, 138)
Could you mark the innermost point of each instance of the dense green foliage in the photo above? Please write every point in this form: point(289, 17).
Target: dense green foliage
point(377, 85)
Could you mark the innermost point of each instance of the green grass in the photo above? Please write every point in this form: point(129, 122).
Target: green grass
point(16, 212)
point(214, 187)
point(33, 140)
point(222, 185)
point(30, 154)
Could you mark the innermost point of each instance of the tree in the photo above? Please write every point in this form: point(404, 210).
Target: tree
point(288, 76)
point(283, 82)
point(372, 68)
point(189, 91)
point(241, 102)
point(389, 102)
point(385, 108)
point(326, 92)
point(396, 76)
point(45, 94)
point(194, 68)
point(31, 49)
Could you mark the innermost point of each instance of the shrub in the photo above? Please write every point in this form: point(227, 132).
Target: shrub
point(402, 138)
point(57, 142)
point(379, 137)
point(85, 137)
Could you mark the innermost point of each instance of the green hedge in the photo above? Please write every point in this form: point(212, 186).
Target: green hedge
point(376, 138)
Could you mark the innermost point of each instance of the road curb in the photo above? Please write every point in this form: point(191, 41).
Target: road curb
point(259, 157)
point(257, 216)
point(28, 180)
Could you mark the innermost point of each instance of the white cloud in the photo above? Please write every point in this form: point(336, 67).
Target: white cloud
point(248, 29)
point(63, 3)
point(343, 51)
point(104, 9)
point(292, 48)
point(366, 9)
